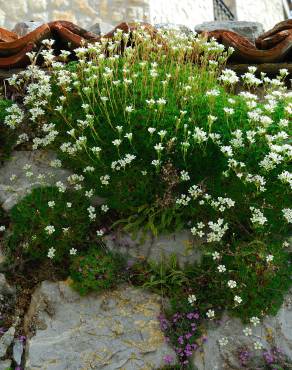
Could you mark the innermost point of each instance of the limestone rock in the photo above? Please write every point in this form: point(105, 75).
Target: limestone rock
point(276, 331)
point(181, 244)
point(18, 348)
point(5, 365)
point(173, 26)
point(6, 340)
point(113, 330)
point(251, 30)
point(23, 28)
point(101, 28)
point(12, 192)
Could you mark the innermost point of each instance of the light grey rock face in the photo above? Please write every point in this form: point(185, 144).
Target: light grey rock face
point(181, 244)
point(101, 28)
point(278, 329)
point(4, 365)
point(251, 30)
point(172, 26)
point(23, 28)
point(18, 348)
point(6, 340)
point(12, 192)
point(111, 331)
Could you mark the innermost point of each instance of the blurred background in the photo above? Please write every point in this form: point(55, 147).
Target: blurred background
point(86, 13)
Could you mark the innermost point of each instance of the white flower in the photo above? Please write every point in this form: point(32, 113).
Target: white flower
point(56, 163)
point(129, 109)
point(48, 42)
point(258, 217)
point(65, 230)
point(223, 342)
point(162, 134)
point(218, 230)
point(117, 142)
point(104, 208)
point(91, 213)
point(158, 147)
point(88, 169)
point(51, 253)
point(221, 268)
point(129, 136)
point(254, 320)
point(99, 232)
point(228, 77)
point(247, 331)
point(229, 111)
point(104, 179)
point(51, 204)
point(156, 163)
point(50, 229)
point(269, 258)
point(184, 176)
point(89, 193)
point(192, 298)
point(73, 251)
point(257, 345)
point(237, 299)
point(287, 213)
point(61, 187)
point(151, 130)
point(96, 150)
point(210, 314)
point(232, 284)
point(2, 228)
point(69, 205)
point(216, 256)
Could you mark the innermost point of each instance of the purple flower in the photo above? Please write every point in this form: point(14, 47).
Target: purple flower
point(180, 340)
point(188, 335)
point(168, 359)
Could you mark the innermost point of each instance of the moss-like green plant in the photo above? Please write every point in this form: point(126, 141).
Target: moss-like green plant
point(96, 270)
point(48, 223)
point(7, 137)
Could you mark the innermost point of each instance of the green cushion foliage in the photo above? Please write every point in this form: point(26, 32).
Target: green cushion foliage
point(38, 228)
point(97, 270)
point(7, 137)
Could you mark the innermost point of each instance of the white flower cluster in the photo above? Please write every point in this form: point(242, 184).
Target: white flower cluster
point(122, 163)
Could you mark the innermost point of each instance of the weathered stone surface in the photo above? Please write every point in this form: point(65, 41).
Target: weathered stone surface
point(18, 348)
point(275, 331)
point(110, 331)
point(4, 365)
point(173, 26)
point(101, 28)
point(181, 244)
point(250, 30)
point(12, 191)
point(6, 340)
point(23, 28)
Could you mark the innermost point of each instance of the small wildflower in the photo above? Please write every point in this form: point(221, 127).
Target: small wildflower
point(232, 284)
point(221, 268)
point(223, 342)
point(254, 320)
point(50, 229)
point(192, 299)
point(210, 314)
point(51, 253)
point(99, 232)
